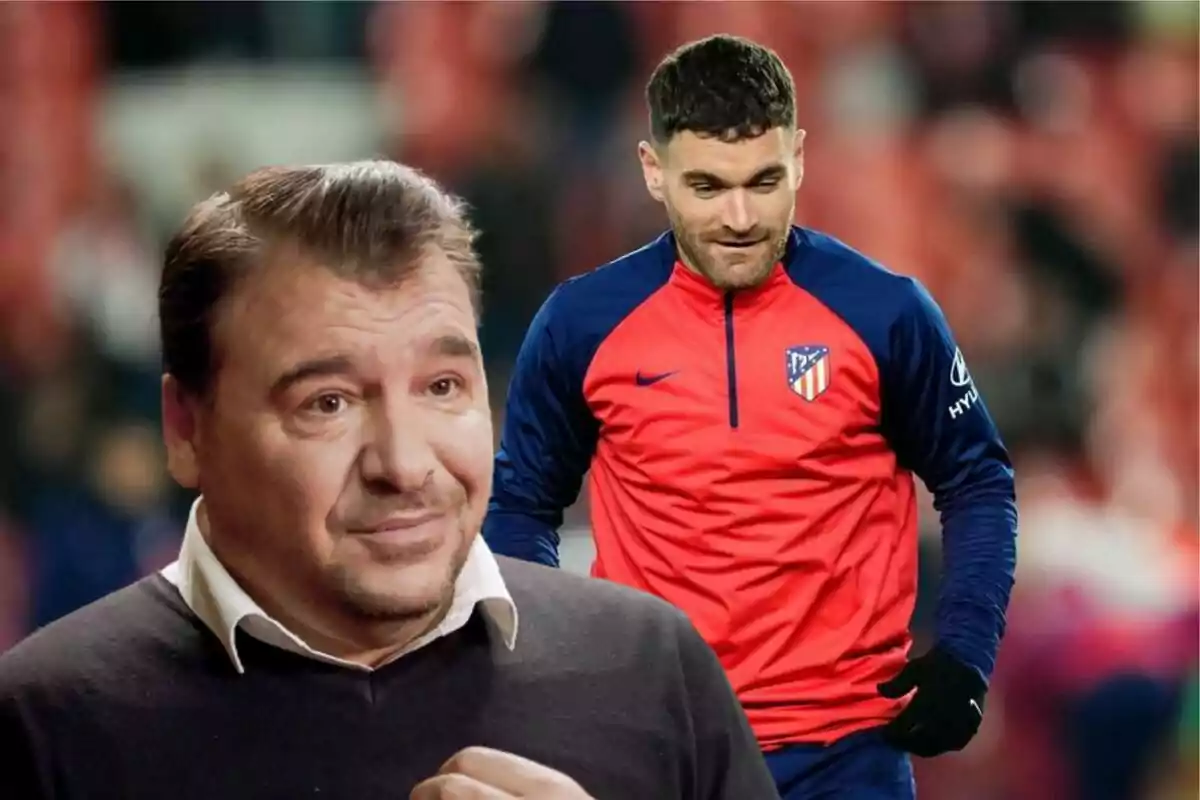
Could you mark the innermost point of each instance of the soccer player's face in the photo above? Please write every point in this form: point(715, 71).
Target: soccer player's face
point(345, 457)
point(730, 203)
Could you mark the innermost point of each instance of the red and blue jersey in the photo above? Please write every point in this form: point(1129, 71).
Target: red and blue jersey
point(751, 458)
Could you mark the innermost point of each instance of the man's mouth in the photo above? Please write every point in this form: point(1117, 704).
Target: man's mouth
point(402, 536)
point(395, 522)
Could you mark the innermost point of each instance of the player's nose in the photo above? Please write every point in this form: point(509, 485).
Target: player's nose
point(739, 213)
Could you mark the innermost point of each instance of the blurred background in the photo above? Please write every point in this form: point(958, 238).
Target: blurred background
point(1035, 165)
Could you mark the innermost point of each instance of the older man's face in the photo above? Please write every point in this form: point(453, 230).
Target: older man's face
point(346, 458)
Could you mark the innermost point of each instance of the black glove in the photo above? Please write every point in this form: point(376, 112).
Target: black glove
point(945, 712)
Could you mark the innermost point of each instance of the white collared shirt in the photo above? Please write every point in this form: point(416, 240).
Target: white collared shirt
point(217, 599)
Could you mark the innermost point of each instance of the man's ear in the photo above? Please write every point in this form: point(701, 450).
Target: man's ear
point(652, 170)
point(180, 429)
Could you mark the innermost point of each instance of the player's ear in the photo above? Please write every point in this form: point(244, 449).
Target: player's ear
point(180, 432)
point(798, 152)
point(651, 170)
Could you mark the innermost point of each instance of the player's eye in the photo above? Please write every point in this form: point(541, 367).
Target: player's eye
point(704, 190)
point(767, 185)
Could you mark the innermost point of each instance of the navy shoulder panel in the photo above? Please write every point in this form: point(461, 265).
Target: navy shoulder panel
point(550, 434)
point(867, 296)
point(582, 311)
point(931, 411)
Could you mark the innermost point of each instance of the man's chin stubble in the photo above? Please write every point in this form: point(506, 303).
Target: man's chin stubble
point(379, 607)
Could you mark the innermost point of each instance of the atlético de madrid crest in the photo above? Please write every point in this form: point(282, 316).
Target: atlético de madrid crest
point(808, 370)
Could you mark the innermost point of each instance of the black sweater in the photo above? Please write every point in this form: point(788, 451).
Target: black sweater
point(133, 697)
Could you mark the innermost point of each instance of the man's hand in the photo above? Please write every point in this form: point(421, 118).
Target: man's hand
point(946, 711)
point(480, 773)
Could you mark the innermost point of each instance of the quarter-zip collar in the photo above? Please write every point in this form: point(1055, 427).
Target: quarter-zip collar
point(707, 297)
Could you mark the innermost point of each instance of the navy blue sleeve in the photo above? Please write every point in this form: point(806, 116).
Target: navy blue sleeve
point(941, 430)
point(546, 446)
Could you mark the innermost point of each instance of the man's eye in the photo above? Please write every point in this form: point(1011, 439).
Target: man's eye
point(704, 189)
point(766, 186)
point(445, 387)
point(327, 404)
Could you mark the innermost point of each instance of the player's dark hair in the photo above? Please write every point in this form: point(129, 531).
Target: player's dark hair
point(371, 221)
point(723, 86)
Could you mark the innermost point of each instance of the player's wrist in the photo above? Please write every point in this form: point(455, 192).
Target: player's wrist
point(957, 691)
point(955, 670)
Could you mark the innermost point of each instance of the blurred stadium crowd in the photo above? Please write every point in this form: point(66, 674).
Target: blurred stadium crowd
point(1036, 165)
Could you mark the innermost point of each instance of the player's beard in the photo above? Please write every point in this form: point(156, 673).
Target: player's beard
point(697, 251)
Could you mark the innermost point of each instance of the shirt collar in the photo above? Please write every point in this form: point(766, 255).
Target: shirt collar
point(224, 606)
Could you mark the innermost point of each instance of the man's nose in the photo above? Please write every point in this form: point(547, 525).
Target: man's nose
point(397, 451)
point(739, 216)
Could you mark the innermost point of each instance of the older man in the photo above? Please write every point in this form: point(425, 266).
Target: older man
point(334, 625)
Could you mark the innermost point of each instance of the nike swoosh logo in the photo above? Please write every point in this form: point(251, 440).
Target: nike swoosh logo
point(650, 380)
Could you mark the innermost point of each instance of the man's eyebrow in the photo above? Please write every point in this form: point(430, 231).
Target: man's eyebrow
point(314, 368)
point(450, 345)
point(454, 346)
